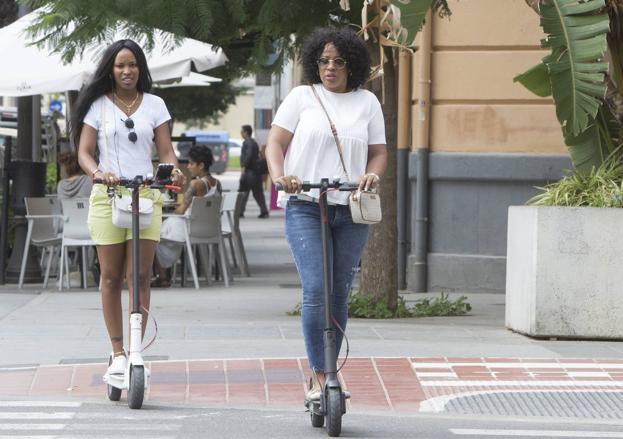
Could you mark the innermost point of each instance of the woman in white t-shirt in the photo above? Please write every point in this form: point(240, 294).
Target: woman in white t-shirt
point(115, 125)
point(336, 64)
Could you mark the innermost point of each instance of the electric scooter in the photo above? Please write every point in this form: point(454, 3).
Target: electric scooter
point(135, 380)
point(332, 403)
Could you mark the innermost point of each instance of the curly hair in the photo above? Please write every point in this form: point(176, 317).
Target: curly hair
point(349, 46)
point(201, 154)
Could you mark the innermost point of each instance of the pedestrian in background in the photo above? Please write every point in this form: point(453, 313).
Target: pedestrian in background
point(118, 118)
point(251, 177)
point(336, 64)
point(75, 183)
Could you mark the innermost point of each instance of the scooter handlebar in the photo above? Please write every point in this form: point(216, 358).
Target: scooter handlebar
point(130, 183)
point(306, 186)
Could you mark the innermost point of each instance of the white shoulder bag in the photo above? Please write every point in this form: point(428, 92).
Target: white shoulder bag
point(122, 204)
point(365, 206)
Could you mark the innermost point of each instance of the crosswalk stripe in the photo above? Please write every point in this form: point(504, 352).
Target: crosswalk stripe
point(2, 436)
point(117, 426)
point(65, 404)
point(37, 415)
point(64, 436)
point(536, 433)
point(520, 383)
point(32, 426)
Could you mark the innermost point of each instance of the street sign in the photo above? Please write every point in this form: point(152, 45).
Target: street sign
point(55, 105)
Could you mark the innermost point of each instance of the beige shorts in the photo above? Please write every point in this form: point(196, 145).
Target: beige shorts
point(104, 232)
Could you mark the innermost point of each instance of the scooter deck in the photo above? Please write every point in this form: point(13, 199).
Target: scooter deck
point(120, 382)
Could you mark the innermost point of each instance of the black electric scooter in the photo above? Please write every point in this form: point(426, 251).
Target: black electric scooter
point(135, 379)
point(332, 403)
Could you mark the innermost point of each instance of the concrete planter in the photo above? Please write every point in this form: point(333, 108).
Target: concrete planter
point(564, 272)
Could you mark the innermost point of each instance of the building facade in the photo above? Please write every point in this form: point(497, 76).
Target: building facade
point(491, 143)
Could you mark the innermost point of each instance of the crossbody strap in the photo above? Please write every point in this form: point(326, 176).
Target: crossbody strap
point(333, 131)
point(103, 121)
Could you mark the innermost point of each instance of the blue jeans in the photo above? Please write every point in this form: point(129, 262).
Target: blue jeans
point(346, 243)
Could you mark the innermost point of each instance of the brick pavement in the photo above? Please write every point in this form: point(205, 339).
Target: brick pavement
point(400, 384)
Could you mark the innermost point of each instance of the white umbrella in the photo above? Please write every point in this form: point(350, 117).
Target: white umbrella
point(38, 71)
point(192, 80)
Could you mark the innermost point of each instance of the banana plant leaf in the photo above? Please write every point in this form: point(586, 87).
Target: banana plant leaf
point(576, 32)
point(536, 79)
point(412, 13)
point(598, 141)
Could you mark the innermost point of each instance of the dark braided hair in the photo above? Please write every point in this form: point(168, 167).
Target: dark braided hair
point(350, 47)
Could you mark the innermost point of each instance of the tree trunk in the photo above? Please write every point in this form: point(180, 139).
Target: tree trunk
point(8, 12)
point(379, 265)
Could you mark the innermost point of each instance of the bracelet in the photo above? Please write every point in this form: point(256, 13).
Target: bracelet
point(95, 171)
point(373, 174)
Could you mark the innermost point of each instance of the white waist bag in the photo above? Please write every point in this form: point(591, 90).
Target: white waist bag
point(365, 206)
point(122, 212)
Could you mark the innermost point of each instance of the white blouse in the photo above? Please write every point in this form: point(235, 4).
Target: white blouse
point(312, 153)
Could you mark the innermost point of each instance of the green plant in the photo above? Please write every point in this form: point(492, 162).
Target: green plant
point(365, 307)
point(233, 163)
point(296, 311)
point(601, 187)
point(575, 74)
point(441, 306)
point(50, 178)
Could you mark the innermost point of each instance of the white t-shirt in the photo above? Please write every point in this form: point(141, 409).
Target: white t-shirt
point(312, 153)
point(117, 154)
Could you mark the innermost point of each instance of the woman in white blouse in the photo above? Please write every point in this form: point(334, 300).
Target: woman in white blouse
point(115, 125)
point(336, 64)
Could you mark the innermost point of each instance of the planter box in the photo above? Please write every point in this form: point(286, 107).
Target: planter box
point(564, 272)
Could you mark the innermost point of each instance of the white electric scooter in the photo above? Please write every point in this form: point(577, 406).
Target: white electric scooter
point(136, 378)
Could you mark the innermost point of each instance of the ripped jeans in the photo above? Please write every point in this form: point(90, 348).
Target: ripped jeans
point(346, 243)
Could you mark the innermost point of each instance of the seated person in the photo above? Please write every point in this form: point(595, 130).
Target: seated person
point(172, 237)
point(75, 184)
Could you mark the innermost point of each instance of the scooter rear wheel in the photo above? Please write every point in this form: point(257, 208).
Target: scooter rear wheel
point(113, 393)
point(136, 390)
point(334, 412)
point(317, 420)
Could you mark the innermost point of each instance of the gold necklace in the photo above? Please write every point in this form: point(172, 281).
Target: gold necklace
point(128, 107)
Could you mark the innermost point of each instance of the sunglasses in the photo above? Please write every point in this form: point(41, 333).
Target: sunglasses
point(129, 124)
point(338, 63)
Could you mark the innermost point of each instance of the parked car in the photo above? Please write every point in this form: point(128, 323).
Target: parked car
point(217, 141)
point(235, 147)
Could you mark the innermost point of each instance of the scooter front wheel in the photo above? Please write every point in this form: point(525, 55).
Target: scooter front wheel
point(334, 411)
point(136, 390)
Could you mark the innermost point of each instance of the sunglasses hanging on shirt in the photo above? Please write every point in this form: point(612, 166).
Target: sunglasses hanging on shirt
point(129, 124)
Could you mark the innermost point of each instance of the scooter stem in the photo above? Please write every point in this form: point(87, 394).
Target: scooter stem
point(330, 345)
point(136, 332)
point(136, 263)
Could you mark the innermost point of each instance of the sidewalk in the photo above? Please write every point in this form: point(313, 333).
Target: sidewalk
point(236, 347)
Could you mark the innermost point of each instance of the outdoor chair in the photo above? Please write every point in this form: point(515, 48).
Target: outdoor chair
point(75, 234)
point(232, 205)
point(203, 231)
point(43, 215)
